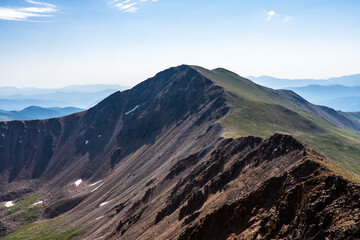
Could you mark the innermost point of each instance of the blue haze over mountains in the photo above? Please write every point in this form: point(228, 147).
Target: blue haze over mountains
point(340, 93)
point(16, 99)
point(34, 112)
point(37, 103)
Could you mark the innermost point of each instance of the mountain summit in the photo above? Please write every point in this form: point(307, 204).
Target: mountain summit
point(158, 162)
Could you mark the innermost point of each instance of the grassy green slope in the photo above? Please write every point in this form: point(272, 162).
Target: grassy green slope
point(260, 111)
point(45, 230)
point(27, 215)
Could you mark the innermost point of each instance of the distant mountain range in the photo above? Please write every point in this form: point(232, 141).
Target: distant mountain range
point(341, 93)
point(337, 96)
point(278, 83)
point(34, 112)
point(79, 96)
point(8, 91)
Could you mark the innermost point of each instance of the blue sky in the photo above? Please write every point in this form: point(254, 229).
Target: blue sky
point(54, 43)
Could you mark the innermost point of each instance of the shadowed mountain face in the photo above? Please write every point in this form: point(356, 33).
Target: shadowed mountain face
point(151, 163)
point(123, 122)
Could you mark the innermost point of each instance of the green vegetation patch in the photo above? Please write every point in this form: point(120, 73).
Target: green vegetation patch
point(23, 210)
point(47, 230)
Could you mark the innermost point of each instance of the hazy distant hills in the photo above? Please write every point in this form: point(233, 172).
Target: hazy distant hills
point(278, 83)
point(337, 96)
point(8, 91)
point(79, 96)
point(341, 93)
point(34, 112)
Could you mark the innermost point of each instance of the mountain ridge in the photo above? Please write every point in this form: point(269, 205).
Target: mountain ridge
point(156, 154)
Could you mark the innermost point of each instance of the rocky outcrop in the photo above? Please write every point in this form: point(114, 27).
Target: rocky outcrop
point(250, 188)
point(305, 203)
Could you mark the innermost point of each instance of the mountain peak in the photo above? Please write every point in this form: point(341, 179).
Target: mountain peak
point(160, 154)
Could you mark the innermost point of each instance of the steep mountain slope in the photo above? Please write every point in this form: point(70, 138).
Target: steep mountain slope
point(147, 128)
point(150, 163)
point(35, 112)
point(125, 121)
point(260, 111)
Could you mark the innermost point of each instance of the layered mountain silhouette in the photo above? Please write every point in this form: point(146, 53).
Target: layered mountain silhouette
point(35, 112)
point(337, 96)
point(349, 81)
point(340, 93)
point(188, 154)
point(80, 96)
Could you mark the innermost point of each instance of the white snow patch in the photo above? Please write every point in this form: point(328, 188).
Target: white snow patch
point(37, 203)
point(9, 204)
point(96, 188)
point(86, 142)
point(99, 136)
point(93, 184)
point(104, 203)
point(132, 110)
point(99, 217)
point(78, 182)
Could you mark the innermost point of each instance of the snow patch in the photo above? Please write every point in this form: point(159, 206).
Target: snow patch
point(78, 182)
point(37, 203)
point(93, 184)
point(96, 188)
point(9, 204)
point(104, 203)
point(99, 217)
point(86, 142)
point(132, 110)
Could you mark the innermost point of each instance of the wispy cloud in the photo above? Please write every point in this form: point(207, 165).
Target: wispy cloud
point(287, 18)
point(41, 3)
point(270, 15)
point(42, 9)
point(129, 5)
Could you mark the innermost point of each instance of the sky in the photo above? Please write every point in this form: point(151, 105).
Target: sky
point(55, 43)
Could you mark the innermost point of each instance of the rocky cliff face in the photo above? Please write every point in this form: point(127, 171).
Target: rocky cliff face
point(246, 188)
point(152, 165)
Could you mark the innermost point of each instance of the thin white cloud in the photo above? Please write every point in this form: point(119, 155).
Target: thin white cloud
point(25, 13)
point(41, 3)
point(287, 18)
point(129, 5)
point(270, 15)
